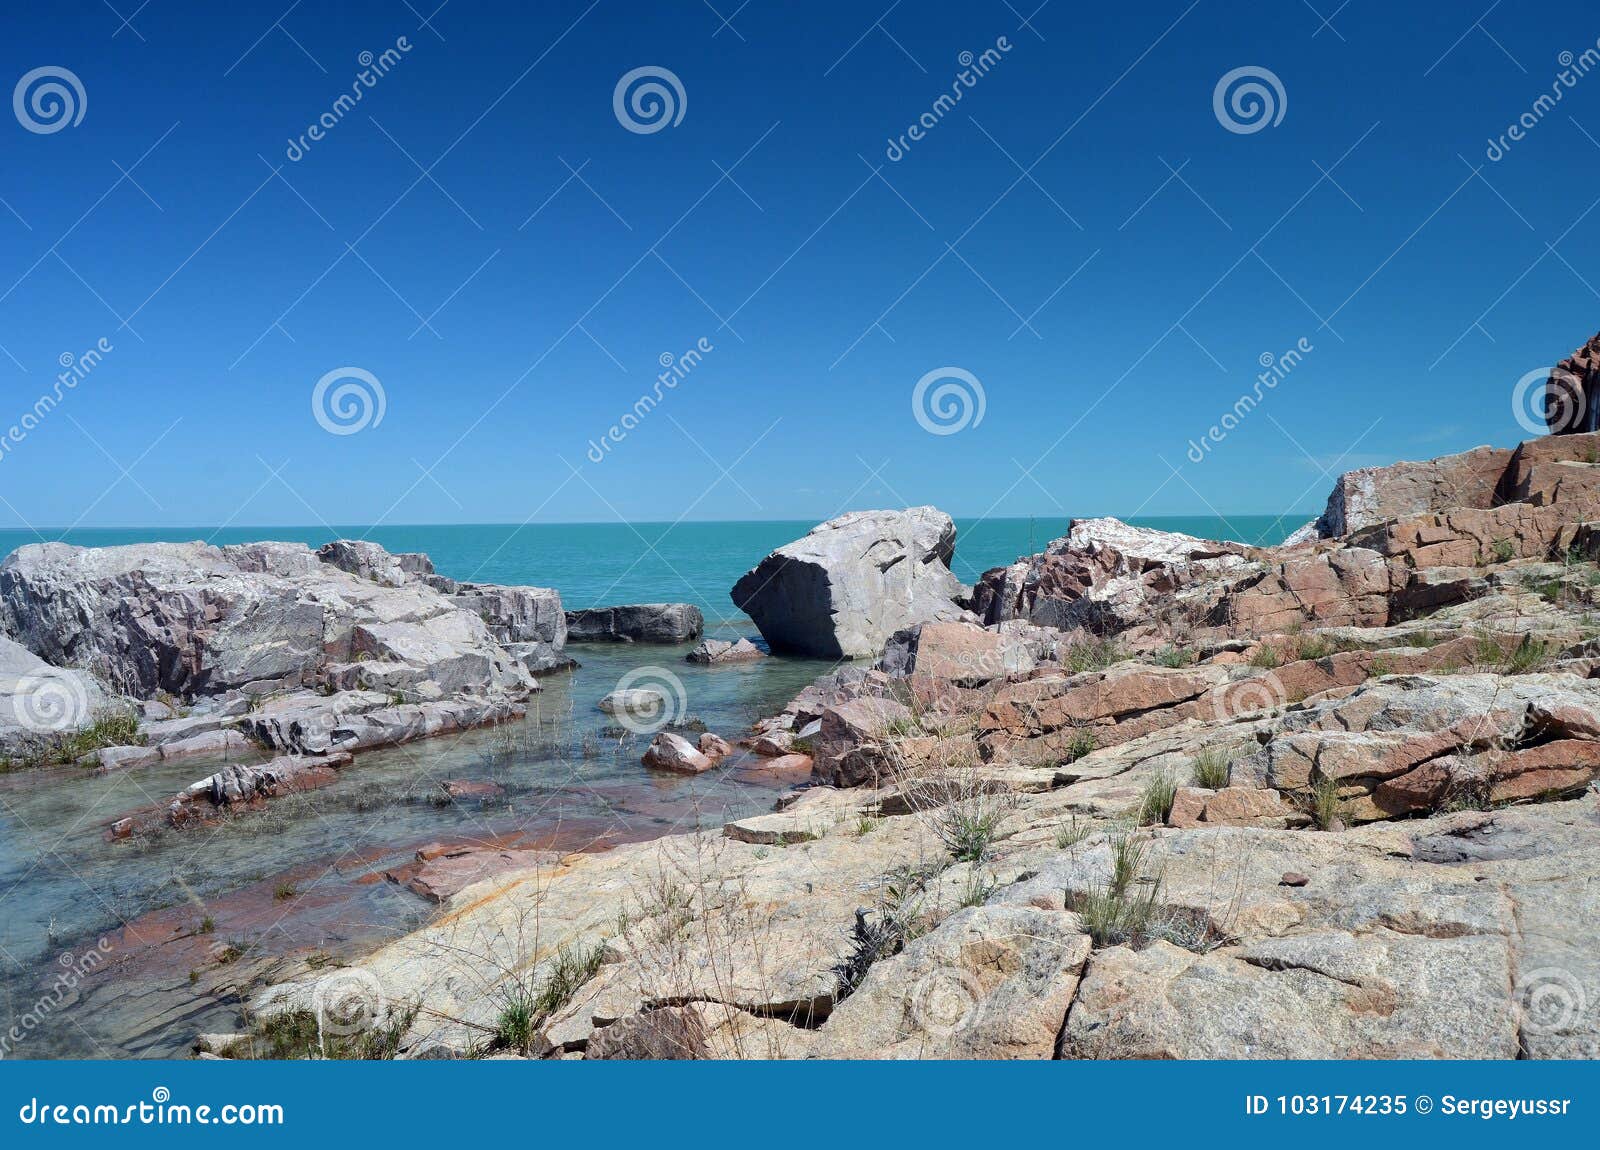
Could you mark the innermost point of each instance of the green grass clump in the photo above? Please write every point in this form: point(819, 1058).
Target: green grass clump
point(1315, 647)
point(1323, 803)
point(1155, 803)
point(1211, 769)
point(1266, 657)
point(1503, 550)
point(1171, 656)
point(1072, 832)
point(1079, 745)
point(111, 727)
point(968, 828)
point(527, 1004)
point(1093, 653)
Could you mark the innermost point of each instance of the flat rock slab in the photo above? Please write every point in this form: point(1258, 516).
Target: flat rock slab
point(441, 876)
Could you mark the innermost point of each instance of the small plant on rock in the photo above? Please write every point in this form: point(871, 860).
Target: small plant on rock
point(1155, 804)
point(1211, 769)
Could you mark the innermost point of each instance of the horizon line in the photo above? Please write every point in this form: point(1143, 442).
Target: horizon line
point(214, 528)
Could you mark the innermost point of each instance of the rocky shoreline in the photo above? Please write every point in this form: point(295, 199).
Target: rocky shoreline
point(1137, 795)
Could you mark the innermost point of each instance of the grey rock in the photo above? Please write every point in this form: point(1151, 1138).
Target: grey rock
point(636, 623)
point(38, 701)
point(717, 652)
point(194, 620)
point(850, 583)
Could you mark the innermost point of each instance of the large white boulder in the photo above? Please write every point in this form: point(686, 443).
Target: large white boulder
point(850, 583)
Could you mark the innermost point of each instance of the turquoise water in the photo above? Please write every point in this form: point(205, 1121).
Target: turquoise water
point(601, 563)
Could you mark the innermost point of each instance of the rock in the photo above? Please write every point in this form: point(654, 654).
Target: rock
point(850, 583)
point(636, 704)
point(39, 702)
point(716, 652)
point(1101, 575)
point(443, 875)
point(1231, 806)
point(516, 614)
point(1293, 878)
point(670, 752)
point(1572, 393)
point(957, 652)
point(1373, 495)
point(853, 743)
point(192, 620)
point(989, 982)
point(812, 814)
point(479, 789)
point(636, 623)
point(714, 746)
point(540, 658)
point(365, 560)
point(306, 723)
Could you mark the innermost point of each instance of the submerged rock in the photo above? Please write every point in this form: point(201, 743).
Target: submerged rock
point(717, 652)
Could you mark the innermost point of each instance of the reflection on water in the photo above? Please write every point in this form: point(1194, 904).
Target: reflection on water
point(179, 910)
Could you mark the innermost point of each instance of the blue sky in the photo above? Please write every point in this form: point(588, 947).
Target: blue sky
point(1084, 184)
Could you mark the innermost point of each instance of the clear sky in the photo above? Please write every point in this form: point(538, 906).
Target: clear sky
point(1105, 253)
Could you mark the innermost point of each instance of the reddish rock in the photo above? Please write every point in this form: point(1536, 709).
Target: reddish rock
point(1230, 806)
point(1293, 878)
point(670, 752)
point(714, 746)
point(443, 875)
point(1573, 390)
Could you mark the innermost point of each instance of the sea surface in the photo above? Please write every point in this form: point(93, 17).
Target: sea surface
point(186, 919)
point(594, 564)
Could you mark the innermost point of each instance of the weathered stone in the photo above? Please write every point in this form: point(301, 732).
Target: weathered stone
point(850, 583)
point(671, 752)
point(716, 652)
point(636, 623)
